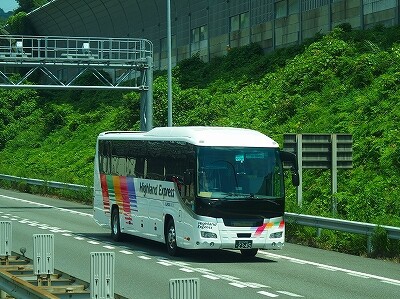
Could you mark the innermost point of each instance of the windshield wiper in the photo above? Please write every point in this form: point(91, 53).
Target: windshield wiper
point(232, 194)
point(248, 196)
point(252, 196)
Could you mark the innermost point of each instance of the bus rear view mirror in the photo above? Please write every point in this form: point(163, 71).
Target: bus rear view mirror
point(291, 160)
point(295, 178)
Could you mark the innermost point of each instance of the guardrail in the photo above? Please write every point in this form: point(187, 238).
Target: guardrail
point(61, 48)
point(307, 220)
point(51, 184)
point(343, 225)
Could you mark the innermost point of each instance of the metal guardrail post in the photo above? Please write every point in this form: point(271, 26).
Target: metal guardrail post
point(184, 288)
point(43, 257)
point(5, 238)
point(369, 244)
point(102, 265)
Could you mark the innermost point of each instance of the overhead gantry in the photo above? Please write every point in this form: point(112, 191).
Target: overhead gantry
point(58, 62)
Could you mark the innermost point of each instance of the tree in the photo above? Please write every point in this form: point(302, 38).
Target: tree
point(29, 5)
point(19, 24)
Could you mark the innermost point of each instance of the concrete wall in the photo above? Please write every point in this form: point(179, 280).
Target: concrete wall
point(275, 24)
point(210, 28)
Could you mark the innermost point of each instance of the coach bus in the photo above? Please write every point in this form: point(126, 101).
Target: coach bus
point(193, 187)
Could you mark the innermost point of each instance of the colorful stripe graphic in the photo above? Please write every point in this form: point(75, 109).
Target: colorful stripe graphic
point(132, 194)
point(125, 198)
point(268, 225)
point(121, 190)
point(104, 191)
point(117, 191)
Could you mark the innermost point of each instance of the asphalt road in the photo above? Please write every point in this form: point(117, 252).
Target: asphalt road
point(143, 268)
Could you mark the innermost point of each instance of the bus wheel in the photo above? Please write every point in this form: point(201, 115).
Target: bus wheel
point(115, 226)
point(170, 238)
point(249, 252)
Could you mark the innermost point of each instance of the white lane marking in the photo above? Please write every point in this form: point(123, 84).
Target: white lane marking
point(181, 264)
point(212, 277)
point(296, 261)
point(237, 284)
point(290, 294)
point(143, 257)
point(47, 206)
point(164, 263)
point(272, 295)
point(332, 268)
point(234, 281)
point(108, 247)
point(202, 270)
point(207, 273)
point(55, 230)
point(359, 275)
point(255, 285)
point(228, 277)
point(186, 270)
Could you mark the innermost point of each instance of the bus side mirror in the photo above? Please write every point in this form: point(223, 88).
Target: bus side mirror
point(291, 159)
point(295, 177)
point(188, 177)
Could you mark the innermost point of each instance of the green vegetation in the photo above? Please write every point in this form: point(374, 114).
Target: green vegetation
point(16, 22)
point(344, 82)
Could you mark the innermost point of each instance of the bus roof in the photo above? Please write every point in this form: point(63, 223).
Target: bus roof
point(201, 136)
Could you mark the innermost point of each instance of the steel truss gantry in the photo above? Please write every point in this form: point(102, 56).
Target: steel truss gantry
point(57, 62)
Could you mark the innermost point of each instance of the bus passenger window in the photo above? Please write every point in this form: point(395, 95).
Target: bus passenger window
point(155, 169)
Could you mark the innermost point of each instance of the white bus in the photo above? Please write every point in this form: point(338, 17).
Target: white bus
point(193, 187)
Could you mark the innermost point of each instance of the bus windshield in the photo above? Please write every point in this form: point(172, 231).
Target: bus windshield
point(236, 173)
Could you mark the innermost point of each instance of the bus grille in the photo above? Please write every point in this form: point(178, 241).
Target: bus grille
point(243, 222)
point(244, 235)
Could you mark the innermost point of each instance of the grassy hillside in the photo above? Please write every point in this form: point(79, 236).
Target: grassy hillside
point(345, 82)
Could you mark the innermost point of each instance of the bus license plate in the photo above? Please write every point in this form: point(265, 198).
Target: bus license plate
point(243, 244)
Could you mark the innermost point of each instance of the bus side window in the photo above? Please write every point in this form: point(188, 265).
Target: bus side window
point(105, 157)
point(139, 170)
point(118, 165)
point(130, 166)
point(155, 169)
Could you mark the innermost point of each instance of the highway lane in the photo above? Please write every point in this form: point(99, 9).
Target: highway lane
point(143, 268)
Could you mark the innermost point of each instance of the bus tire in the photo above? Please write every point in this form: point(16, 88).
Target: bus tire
point(170, 239)
point(249, 252)
point(115, 225)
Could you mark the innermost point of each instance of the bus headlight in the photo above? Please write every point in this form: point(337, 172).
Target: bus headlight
point(208, 235)
point(276, 235)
